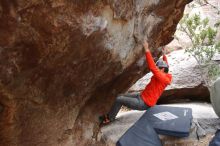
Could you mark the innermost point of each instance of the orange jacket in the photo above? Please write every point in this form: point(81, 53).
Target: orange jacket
point(158, 82)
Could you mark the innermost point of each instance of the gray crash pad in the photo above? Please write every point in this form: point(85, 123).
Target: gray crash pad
point(202, 112)
point(140, 134)
point(165, 120)
point(216, 139)
point(172, 121)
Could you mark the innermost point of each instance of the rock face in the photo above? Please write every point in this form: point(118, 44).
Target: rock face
point(187, 82)
point(62, 62)
point(215, 96)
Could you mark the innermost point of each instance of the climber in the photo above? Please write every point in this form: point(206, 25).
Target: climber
point(149, 96)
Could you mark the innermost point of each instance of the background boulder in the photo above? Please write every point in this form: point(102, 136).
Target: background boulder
point(215, 96)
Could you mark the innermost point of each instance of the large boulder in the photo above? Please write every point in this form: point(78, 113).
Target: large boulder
point(215, 96)
point(187, 82)
point(63, 61)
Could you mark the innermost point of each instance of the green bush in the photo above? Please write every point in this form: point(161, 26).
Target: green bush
point(204, 43)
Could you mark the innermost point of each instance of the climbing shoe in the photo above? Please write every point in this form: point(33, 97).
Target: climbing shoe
point(104, 120)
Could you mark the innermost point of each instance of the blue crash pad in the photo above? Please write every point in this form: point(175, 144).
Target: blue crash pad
point(140, 134)
point(165, 120)
point(216, 139)
point(172, 121)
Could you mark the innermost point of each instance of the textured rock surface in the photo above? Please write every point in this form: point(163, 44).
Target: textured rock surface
point(186, 83)
point(215, 96)
point(62, 62)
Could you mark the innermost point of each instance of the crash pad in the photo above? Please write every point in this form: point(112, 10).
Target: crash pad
point(165, 120)
point(216, 139)
point(168, 120)
point(140, 134)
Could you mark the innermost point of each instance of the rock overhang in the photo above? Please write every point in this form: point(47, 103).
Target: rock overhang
point(63, 62)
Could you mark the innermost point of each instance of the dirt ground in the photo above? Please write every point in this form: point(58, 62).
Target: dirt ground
point(171, 141)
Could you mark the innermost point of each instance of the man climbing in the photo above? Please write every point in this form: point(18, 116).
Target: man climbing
point(148, 98)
